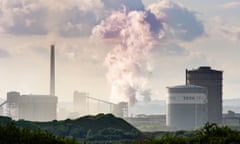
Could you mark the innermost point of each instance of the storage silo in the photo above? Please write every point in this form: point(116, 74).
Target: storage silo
point(187, 107)
point(212, 80)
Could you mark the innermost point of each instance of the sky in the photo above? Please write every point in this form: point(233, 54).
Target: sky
point(121, 50)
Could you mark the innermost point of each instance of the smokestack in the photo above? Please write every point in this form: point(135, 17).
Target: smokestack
point(52, 71)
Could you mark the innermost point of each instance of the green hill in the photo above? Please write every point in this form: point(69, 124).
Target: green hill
point(10, 134)
point(89, 128)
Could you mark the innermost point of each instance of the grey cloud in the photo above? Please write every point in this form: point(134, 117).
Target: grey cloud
point(20, 17)
point(117, 4)
point(167, 19)
point(155, 24)
point(134, 5)
point(25, 24)
point(4, 53)
point(185, 24)
point(37, 18)
point(78, 23)
point(180, 23)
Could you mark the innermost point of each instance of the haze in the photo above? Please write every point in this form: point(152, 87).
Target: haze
point(182, 34)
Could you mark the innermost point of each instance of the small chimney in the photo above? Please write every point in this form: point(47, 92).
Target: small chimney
point(52, 71)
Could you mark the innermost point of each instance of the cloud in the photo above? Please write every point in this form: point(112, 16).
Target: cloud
point(4, 53)
point(171, 49)
point(231, 5)
point(66, 18)
point(220, 28)
point(179, 22)
point(76, 18)
point(118, 4)
point(229, 31)
point(21, 17)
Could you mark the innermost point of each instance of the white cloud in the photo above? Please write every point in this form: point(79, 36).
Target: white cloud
point(231, 5)
point(67, 18)
point(218, 27)
point(73, 18)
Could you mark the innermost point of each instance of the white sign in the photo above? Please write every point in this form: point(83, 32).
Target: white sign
point(187, 98)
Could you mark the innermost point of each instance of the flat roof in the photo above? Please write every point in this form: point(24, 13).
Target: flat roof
point(37, 99)
point(204, 69)
point(186, 86)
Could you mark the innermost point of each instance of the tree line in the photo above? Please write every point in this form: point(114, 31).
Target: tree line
point(209, 134)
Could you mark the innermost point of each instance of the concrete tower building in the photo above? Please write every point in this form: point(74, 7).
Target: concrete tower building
point(187, 107)
point(212, 80)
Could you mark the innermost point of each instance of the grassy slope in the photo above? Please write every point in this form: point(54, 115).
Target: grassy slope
point(99, 127)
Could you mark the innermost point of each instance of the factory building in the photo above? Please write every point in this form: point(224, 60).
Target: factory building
point(120, 109)
point(187, 107)
point(212, 80)
point(84, 104)
point(80, 102)
point(32, 107)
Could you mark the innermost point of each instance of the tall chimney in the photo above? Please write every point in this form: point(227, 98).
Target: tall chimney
point(52, 71)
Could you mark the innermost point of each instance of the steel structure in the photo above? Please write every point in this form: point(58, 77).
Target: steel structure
point(212, 80)
point(83, 104)
point(187, 107)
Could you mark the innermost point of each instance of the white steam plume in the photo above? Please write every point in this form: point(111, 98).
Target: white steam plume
point(136, 30)
point(128, 62)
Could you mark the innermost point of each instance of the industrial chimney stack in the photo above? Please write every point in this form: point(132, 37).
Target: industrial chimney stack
point(52, 71)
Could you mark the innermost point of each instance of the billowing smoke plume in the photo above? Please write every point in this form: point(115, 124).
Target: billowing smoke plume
point(128, 61)
point(137, 31)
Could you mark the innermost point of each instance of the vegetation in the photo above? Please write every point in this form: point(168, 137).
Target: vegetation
point(107, 129)
point(209, 134)
point(10, 134)
point(89, 128)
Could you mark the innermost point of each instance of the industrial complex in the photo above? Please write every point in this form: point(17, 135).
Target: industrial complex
point(40, 107)
point(198, 101)
point(84, 105)
point(189, 106)
point(34, 107)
